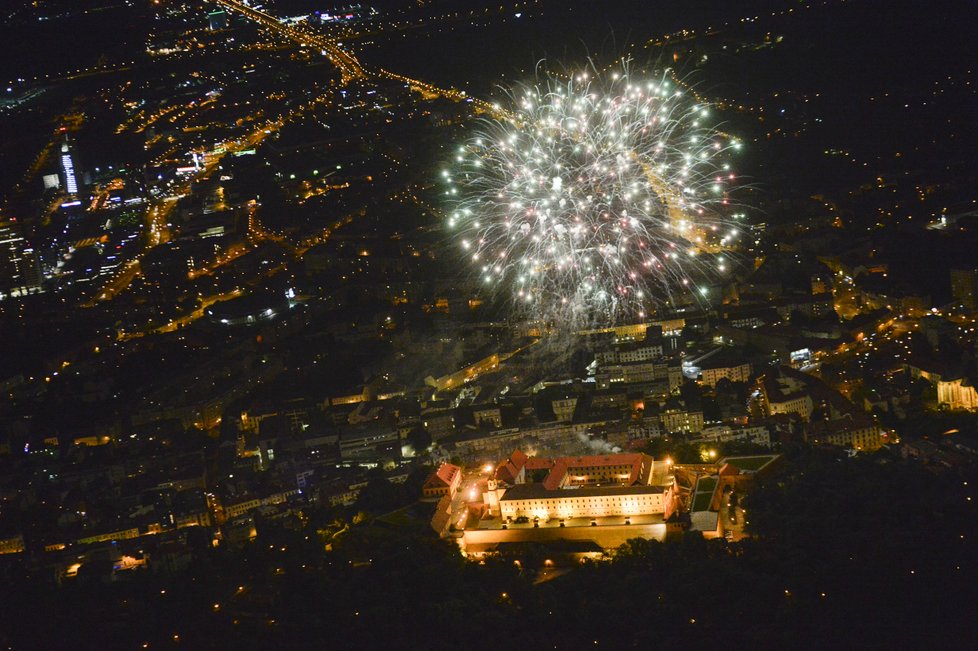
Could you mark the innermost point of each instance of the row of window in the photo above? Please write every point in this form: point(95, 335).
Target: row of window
point(580, 501)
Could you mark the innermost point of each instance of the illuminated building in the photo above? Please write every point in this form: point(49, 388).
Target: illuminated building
point(630, 351)
point(858, 432)
point(957, 393)
point(718, 364)
point(68, 170)
point(785, 395)
point(12, 545)
point(682, 420)
point(536, 502)
point(443, 481)
point(20, 273)
point(564, 408)
point(599, 501)
point(714, 372)
point(641, 371)
point(595, 486)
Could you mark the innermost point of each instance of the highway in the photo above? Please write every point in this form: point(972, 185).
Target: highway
point(348, 65)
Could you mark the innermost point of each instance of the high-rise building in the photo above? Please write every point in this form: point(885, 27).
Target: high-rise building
point(52, 181)
point(20, 273)
point(68, 169)
point(964, 287)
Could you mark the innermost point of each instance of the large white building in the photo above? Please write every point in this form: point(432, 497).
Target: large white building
point(756, 434)
point(957, 394)
point(638, 351)
point(858, 432)
point(682, 420)
point(594, 486)
point(786, 395)
point(534, 501)
point(68, 170)
point(733, 372)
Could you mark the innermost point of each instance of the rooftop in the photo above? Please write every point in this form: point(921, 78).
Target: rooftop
point(563, 465)
point(703, 496)
point(539, 491)
point(781, 389)
point(752, 464)
point(444, 476)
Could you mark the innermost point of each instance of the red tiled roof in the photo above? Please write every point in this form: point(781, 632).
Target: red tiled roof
point(509, 470)
point(444, 476)
point(563, 465)
point(539, 463)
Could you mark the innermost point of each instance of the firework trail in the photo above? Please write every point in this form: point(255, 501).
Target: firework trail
point(593, 201)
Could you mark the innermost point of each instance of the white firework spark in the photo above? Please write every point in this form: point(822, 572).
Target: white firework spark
point(595, 201)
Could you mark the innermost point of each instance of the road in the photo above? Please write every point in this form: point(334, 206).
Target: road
point(186, 319)
point(732, 519)
point(471, 488)
point(348, 65)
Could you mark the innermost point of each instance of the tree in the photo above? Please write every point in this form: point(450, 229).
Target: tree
point(419, 438)
point(711, 410)
point(690, 392)
point(379, 495)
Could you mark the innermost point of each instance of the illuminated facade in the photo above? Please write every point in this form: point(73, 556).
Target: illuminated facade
point(68, 170)
point(20, 273)
point(12, 545)
point(443, 481)
point(734, 373)
point(957, 394)
point(785, 395)
point(564, 408)
point(594, 486)
point(859, 433)
point(630, 352)
point(639, 371)
point(681, 420)
point(534, 501)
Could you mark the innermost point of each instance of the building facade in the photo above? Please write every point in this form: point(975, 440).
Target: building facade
point(20, 273)
point(442, 482)
point(786, 395)
point(534, 501)
point(734, 373)
point(680, 420)
point(957, 394)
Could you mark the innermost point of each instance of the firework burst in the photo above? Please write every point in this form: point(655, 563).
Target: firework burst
point(595, 200)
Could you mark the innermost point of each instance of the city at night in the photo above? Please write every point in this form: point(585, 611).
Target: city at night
point(456, 324)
